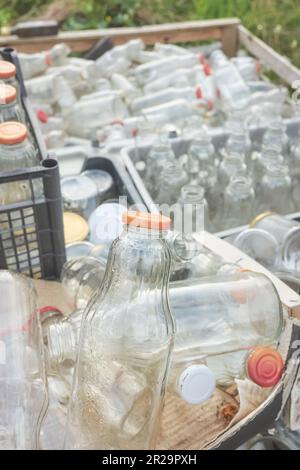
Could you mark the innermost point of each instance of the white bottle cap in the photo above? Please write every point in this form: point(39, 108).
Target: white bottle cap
point(196, 384)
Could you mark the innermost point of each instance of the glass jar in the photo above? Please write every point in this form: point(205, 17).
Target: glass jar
point(125, 343)
point(16, 152)
point(276, 190)
point(23, 400)
point(260, 245)
point(9, 107)
point(287, 234)
point(239, 200)
point(80, 195)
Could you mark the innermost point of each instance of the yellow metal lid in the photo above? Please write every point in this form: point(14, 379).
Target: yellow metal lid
point(76, 229)
point(260, 217)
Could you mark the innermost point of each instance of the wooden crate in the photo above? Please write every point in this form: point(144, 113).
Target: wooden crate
point(229, 31)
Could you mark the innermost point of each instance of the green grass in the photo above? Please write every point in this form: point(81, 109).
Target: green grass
point(275, 21)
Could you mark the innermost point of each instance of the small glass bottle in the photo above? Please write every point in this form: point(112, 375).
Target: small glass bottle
point(194, 209)
point(239, 201)
point(201, 155)
point(231, 165)
point(126, 338)
point(160, 153)
point(276, 190)
point(170, 183)
point(276, 135)
point(9, 107)
point(268, 156)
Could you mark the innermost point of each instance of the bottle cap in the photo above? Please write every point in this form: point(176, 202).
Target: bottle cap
point(146, 220)
point(202, 59)
point(7, 93)
point(7, 69)
point(76, 228)
point(265, 366)
point(12, 133)
point(42, 116)
point(198, 92)
point(196, 384)
point(207, 70)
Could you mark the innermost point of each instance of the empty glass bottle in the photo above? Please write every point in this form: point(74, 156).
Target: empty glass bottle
point(239, 201)
point(195, 382)
point(275, 135)
point(169, 184)
point(276, 190)
point(261, 160)
point(125, 343)
point(23, 399)
point(195, 217)
point(200, 156)
point(9, 107)
point(160, 154)
point(231, 165)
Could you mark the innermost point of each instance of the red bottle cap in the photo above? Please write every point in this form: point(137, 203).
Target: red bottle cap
point(207, 70)
point(8, 93)
point(146, 220)
point(265, 366)
point(42, 116)
point(12, 133)
point(198, 92)
point(202, 59)
point(7, 69)
point(209, 104)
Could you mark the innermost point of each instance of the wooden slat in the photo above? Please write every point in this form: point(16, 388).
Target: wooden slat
point(230, 40)
point(279, 64)
point(84, 40)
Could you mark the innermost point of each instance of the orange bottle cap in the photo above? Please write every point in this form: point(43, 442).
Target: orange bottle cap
point(7, 69)
point(7, 93)
point(265, 366)
point(146, 220)
point(12, 133)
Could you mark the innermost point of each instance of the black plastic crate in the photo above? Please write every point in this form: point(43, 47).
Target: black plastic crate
point(31, 231)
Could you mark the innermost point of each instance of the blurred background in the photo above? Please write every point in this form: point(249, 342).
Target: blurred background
point(274, 21)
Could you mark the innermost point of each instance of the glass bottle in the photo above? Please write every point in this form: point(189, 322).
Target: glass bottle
point(276, 135)
point(170, 183)
point(200, 156)
point(16, 152)
point(268, 156)
point(194, 209)
point(125, 343)
point(9, 108)
point(160, 154)
point(231, 165)
point(23, 400)
point(239, 201)
point(224, 313)
point(276, 190)
point(195, 382)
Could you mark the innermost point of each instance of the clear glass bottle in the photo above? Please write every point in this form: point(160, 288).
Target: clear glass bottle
point(276, 190)
point(201, 156)
point(195, 382)
point(24, 399)
point(9, 107)
point(231, 165)
point(276, 135)
point(159, 155)
point(268, 156)
point(239, 201)
point(16, 151)
point(125, 343)
point(170, 182)
point(194, 206)
point(224, 313)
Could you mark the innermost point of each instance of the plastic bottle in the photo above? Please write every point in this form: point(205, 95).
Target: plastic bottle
point(248, 67)
point(183, 77)
point(175, 110)
point(239, 201)
point(36, 64)
point(122, 83)
point(276, 190)
point(122, 366)
point(9, 107)
point(169, 49)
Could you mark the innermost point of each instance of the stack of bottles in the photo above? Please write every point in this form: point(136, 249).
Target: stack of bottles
point(223, 332)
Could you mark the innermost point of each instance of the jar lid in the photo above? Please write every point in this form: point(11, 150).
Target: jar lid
point(8, 93)
point(259, 217)
point(12, 132)
point(76, 228)
point(146, 220)
point(265, 366)
point(78, 187)
point(291, 249)
point(7, 69)
point(196, 384)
